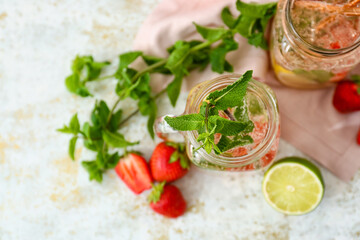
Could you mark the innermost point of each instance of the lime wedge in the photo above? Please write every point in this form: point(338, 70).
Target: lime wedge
point(293, 186)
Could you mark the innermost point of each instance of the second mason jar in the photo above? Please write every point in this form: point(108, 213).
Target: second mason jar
point(314, 43)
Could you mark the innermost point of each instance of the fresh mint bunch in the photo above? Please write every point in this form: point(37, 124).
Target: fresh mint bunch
point(101, 133)
point(98, 135)
point(252, 21)
point(234, 131)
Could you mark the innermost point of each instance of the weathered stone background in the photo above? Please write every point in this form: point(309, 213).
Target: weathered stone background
point(44, 195)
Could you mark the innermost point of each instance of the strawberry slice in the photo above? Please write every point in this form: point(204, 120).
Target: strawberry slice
point(167, 200)
point(134, 171)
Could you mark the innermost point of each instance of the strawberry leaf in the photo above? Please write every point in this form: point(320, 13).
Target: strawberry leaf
point(174, 157)
point(155, 194)
point(184, 161)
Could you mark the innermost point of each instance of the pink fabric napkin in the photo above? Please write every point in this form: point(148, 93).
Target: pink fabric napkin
point(308, 119)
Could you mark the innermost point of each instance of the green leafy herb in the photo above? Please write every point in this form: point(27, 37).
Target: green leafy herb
point(252, 22)
point(116, 140)
point(72, 145)
point(84, 69)
point(233, 132)
point(101, 133)
point(186, 122)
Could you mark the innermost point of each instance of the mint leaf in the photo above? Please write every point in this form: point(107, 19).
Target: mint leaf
point(211, 34)
point(228, 18)
point(229, 128)
point(93, 69)
point(186, 122)
point(83, 92)
point(84, 69)
point(125, 76)
point(115, 121)
point(152, 118)
point(253, 20)
point(178, 58)
point(256, 10)
point(95, 173)
point(258, 40)
point(173, 89)
point(65, 129)
point(74, 124)
point(241, 112)
point(232, 95)
point(116, 140)
point(217, 56)
point(72, 83)
point(245, 26)
point(225, 143)
point(93, 137)
point(107, 161)
point(127, 58)
point(112, 160)
point(141, 88)
point(72, 145)
point(100, 114)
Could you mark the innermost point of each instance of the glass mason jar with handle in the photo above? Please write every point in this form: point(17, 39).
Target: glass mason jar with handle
point(263, 111)
point(314, 43)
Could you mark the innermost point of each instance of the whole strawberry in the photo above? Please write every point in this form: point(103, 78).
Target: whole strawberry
point(347, 95)
point(134, 171)
point(167, 200)
point(358, 137)
point(169, 162)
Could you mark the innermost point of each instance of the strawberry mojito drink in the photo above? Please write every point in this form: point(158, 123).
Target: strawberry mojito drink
point(230, 123)
point(314, 43)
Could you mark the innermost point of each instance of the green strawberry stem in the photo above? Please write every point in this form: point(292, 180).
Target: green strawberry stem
point(156, 192)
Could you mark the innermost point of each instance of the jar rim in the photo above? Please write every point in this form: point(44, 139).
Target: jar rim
point(269, 101)
point(304, 45)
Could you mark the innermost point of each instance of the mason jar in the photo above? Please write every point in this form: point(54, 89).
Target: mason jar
point(263, 111)
point(314, 43)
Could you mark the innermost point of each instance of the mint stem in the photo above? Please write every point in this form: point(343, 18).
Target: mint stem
point(137, 110)
point(105, 77)
point(148, 69)
point(229, 115)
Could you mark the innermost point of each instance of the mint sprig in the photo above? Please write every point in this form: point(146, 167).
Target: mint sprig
point(207, 122)
point(101, 135)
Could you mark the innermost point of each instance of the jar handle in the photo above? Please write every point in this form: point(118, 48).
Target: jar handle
point(164, 131)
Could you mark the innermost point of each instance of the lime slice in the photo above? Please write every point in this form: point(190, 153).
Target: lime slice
point(293, 186)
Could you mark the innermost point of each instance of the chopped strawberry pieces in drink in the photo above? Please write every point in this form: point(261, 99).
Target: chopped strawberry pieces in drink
point(339, 76)
point(258, 134)
point(268, 158)
point(335, 45)
point(238, 152)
